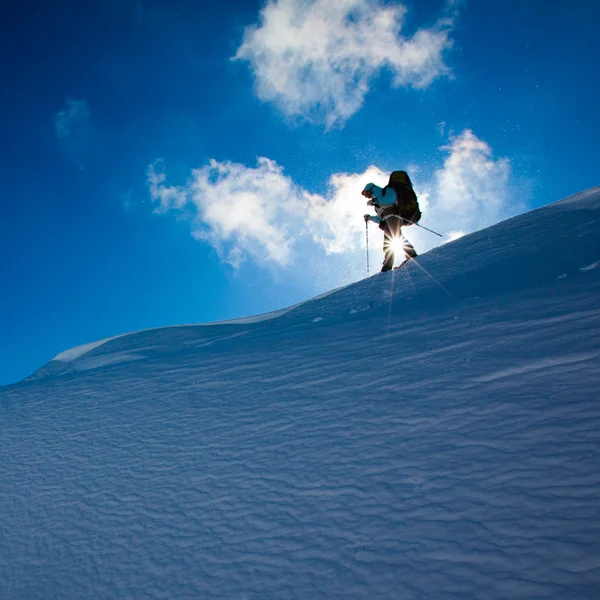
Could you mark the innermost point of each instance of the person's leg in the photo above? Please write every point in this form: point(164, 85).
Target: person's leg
point(391, 230)
point(409, 250)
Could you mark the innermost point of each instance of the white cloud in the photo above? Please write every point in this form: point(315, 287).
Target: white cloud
point(471, 190)
point(247, 211)
point(261, 214)
point(243, 212)
point(317, 58)
point(168, 197)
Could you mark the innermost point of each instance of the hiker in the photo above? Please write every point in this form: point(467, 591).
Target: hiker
point(396, 206)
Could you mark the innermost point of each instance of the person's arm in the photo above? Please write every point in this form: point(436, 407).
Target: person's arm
point(371, 192)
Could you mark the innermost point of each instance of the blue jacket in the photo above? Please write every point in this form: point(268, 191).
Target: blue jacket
point(379, 201)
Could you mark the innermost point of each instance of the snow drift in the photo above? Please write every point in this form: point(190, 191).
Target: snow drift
point(433, 432)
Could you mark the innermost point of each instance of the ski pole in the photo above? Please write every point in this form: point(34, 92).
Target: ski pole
point(367, 233)
point(425, 228)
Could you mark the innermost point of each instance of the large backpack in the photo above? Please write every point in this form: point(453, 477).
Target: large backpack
point(407, 205)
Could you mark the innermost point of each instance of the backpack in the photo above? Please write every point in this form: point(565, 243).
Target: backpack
point(407, 205)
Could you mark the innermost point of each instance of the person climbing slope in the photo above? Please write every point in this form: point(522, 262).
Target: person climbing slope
point(396, 206)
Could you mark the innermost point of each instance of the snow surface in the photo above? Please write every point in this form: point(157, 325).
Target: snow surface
point(432, 432)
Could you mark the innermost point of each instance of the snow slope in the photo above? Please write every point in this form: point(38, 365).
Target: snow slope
point(433, 432)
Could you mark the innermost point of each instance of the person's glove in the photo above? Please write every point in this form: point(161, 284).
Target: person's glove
point(371, 202)
point(367, 218)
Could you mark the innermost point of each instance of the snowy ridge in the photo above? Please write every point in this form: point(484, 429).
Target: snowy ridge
point(433, 432)
point(588, 199)
point(77, 352)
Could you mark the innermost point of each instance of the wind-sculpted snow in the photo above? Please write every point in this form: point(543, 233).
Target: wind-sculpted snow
point(428, 433)
point(166, 336)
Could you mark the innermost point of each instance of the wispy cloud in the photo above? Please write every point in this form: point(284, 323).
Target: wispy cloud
point(247, 211)
point(167, 197)
point(241, 211)
point(316, 59)
point(73, 120)
point(259, 213)
point(72, 127)
point(471, 190)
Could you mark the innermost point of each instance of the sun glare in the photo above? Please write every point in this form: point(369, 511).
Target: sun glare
point(397, 247)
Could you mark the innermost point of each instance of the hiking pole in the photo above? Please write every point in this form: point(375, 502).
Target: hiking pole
point(425, 228)
point(367, 232)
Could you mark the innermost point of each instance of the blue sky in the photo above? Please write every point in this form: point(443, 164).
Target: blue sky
point(181, 162)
